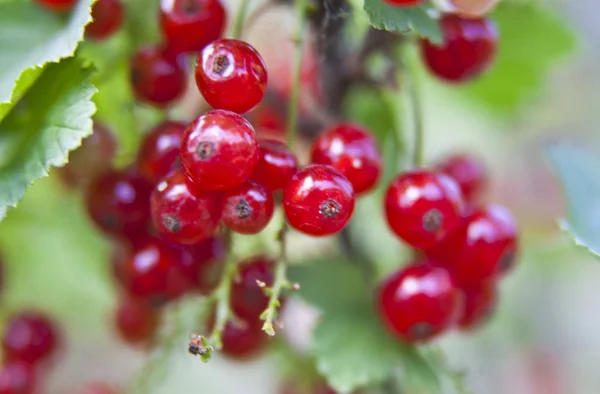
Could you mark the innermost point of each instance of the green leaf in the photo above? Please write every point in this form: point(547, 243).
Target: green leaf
point(24, 82)
point(383, 16)
point(32, 36)
point(533, 39)
point(49, 121)
point(577, 170)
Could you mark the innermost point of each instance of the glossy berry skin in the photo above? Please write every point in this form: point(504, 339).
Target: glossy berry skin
point(352, 150)
point(248, 299)
point(404, 3)
point(182, 215)
point(318, 200)
point(157, 76)
point(482, 248)
point(58, 5)
point(243, 339)
point(30, 337)
point(119, 202)
point(466, 8)
point(17, 377)
point(107, 19)
point(276, 164)
point(136, 320)
point(419, 302)
point(189, 25)
point(248, 208)
point(479, 304)
point(159, 154)
point(98, 388)
point(231, 75)
point(92, 158)
point(467, 51)
point(468, 172)
point(422, 207)
point(202, 263)
point(219, 151)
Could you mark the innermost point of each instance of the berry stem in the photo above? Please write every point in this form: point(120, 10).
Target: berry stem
point(414, 94)
point(239, 19)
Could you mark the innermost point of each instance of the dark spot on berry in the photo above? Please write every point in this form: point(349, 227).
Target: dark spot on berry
point(220, 63)
point(204, 150)
point(432, 220)
point(506, 260)
point(171, 223)
point(421, 330)
point(190, 7)
point(330, 209)
point(110, 221)
point(243, 210)
point(136, 76)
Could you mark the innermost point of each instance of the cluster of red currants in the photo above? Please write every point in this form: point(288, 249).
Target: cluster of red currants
point(29, 341)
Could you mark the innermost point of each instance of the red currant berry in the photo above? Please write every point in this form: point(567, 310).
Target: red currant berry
point(243, 339)
point(468, 49)
point(468, 172)
point(119, 202)
point(482, 248)
point(479, 304)
point(248, 208)
point(203, 263)
point(404, 3)
point(108, 17)
point(268, 118)
point(231, 75)
point(351, 150)
point(92, 158)
point(17, 377)
point(157, 76)
point(219, 150)
point(419, 302)
point(318, 200)
point(190, 25)
point(181, 215)
point(136, 320)
point(58, 5)
point(423, 207)
point(248, 299)
point(98, 388)
point(276, 164)
point(159, 154)
point(29, 337)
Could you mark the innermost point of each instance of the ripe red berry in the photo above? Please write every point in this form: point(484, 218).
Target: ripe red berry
point(483, 247)
point(92, 158)
point(404, 3)
point(479, 304)
point(318, 200)
point(159, 153)
point(17, 377)
point(219, 150)
point(136, 320)
point(58, 5)
point(29, 337)
point(107, 19)
point(189, 25)
point(157, 76)
point(182, 215)
point(423, 207)
point(248, 299)
point(98, 388)
point(231, 75)
point(119, 202)
point(468, 172)
point(268, 118)
point(352, 150)
point(203, 263)
point(419, 302)
point(276, 164)
point(243, 339)
point(467, 51)
point(248, 208)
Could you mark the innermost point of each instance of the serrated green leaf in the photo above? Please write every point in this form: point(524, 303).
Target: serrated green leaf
point(26, 79)
point(532, 39)
point(49, 121)
point(577, 170)
point(32, 36)
point(383, 16)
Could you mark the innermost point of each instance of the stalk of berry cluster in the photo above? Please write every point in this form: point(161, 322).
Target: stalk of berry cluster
point(414, 95)
point(240, 19)
point(281, 282)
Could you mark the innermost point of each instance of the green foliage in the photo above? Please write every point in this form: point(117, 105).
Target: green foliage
point(383, 16)
point(533, 39)
point(49, 121)
point(577, 171)
point(32, 36)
